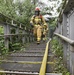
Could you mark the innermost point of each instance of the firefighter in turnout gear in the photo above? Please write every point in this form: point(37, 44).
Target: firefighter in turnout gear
point(38, 23)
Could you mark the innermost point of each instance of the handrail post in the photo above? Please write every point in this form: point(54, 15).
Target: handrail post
point(20, 25)
point(27, 37)
point(6, 31)
point(23, 38)
point(31, 37)
point(17, 32)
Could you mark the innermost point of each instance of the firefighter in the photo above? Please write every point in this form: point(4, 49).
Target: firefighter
point(37, 22)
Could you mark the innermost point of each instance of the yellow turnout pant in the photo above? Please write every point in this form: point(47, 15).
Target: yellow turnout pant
point(37, 32)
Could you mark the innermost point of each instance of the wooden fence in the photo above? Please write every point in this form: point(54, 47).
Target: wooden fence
point(65, 32)
point(19, 31)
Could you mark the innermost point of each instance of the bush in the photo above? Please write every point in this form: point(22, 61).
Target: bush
point(3, 50)
point(58, 52)
point(15, 46)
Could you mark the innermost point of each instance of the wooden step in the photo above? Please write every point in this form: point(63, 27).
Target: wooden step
point(27, 73)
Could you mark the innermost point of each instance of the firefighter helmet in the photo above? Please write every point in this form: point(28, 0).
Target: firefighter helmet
point(37, 9)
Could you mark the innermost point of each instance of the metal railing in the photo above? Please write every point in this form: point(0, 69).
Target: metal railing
point(65, 38)
point(20, 30)
point(68, 52)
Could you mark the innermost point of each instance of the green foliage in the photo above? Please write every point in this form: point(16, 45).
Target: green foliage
point(3, 50)
point(26, 10)
point(53, 22)
point(52, 26)
point(20, 11)
point(7, 7)
point(1, 30)
point(15, 46)
point(58, 52)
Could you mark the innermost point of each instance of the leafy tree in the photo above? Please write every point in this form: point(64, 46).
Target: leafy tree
point(7, 7)
point(25, 11)
point(20, 11)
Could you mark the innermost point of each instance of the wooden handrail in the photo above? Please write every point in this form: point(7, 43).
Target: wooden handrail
point(14, 34)
point(65, 38)
point(19, 30)
point(11, 19)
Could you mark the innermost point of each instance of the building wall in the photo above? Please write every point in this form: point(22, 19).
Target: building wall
point(66, 28)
